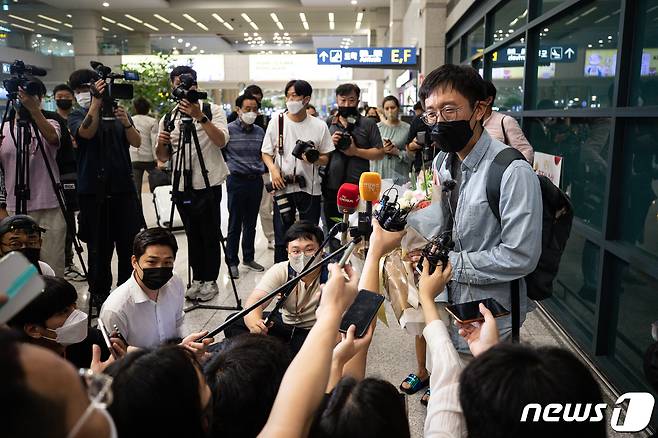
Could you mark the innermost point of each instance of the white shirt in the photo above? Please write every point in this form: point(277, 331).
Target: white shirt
point(310, 129)
point(143, 322)
point(212, 154)
point(148, 131)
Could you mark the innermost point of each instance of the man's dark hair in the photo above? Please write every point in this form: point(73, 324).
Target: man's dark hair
point(304, 230)
point(240, 100)
point(418, 105)
point(153, 236)
point(82, 77)
point(245, 379)
point(490, 90)
point(390, 99)
point(371, 408)
point(496, 386)
point(181, 70)
point(301, 87)
point(463, 79)
point(58, 294)
point(309, 106)
point(347, 89)
point(62, 87)
point(253, 89)
point(142, 106)
point(153, 390)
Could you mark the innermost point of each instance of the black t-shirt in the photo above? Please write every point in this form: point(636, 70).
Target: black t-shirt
point(92, 158)
point(80, 354)
point(417, 125)
point(343, 169)
point(65, 154)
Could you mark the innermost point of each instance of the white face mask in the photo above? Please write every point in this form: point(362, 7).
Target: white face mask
point(74, 329)
point(298, 262)
point(249, 118)
point(295, 106)
point(84, 99)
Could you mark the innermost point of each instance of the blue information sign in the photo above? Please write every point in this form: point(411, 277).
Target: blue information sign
point(367, 56)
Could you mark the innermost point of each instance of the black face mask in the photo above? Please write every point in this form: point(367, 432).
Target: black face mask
point(64, 104)
point(32, 254)
point(347, 111)
point(155, 278)
point(452, 136)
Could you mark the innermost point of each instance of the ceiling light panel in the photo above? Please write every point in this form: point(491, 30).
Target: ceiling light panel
point(16, 17)
point(161, 18)
point(189, 17)
point(45, 17)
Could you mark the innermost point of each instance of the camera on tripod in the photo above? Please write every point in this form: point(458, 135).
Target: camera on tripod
point(436, 251)
point(306, 147)
point(19, 71)
point(390, 215)
point(289, 179)
point(184, 91)
point(115, 91)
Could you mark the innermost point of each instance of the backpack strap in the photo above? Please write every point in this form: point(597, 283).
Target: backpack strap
point(500, 163)
point(502, 126)
point(280, 142)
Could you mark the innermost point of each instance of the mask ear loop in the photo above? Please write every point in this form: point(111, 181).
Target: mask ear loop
point(93, 404)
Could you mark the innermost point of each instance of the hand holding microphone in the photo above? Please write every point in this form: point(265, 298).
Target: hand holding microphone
point(347, 201)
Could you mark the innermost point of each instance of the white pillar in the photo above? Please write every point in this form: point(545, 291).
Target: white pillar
point(87, 34)
point(432, 41)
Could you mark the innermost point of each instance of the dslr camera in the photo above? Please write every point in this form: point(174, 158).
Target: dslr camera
point(183, 91)
point(19, 71)
point(289, 179)
point(345, 140)
point(306, 147)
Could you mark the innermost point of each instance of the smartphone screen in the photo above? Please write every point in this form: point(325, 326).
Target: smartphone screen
point(106, 337)
point(420, 137)
point(361, 312)
point(470, 311)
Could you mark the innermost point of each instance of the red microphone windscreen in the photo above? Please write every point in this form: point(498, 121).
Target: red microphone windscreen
point(370, 184)
point(348, 198)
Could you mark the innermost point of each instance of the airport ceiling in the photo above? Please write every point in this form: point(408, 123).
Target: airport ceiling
point(210, 26)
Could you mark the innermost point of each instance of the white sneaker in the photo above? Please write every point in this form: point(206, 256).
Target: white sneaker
point(193, 292)
point(209, 290)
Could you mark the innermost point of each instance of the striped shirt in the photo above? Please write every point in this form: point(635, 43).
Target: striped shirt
point(243, 155)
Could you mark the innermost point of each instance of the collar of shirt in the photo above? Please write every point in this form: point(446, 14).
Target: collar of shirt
point(479, 150)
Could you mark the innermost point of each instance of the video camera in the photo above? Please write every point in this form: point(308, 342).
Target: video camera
point(19, 71)
point(306, 147)
point(115, 91)
point(183, 91)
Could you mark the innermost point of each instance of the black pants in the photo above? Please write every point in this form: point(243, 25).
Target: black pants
point(68, 246)
point(289, 334)
point(201, 219)
point(244, 196)
point(309, 209)
point(106, 227)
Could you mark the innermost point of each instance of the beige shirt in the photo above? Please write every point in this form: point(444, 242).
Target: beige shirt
point(212, 154)
point(515, 137)
point(299, 308)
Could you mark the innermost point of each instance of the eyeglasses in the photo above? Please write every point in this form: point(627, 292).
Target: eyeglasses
point(308, 252)
point(447, 113)
point(16, 245)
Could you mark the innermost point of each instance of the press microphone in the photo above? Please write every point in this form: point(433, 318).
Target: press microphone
point(370, 184)
point(448, 185)
point(347, 201)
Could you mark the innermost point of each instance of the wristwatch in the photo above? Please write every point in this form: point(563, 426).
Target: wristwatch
point(203, 120)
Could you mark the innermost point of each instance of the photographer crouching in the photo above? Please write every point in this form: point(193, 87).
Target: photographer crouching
point(295, 145)
point(198, 204)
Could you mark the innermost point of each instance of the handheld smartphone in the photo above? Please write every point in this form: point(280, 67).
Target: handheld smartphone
point(470, 311)
point(420, 137)
point(106, 337)
point(361, 312)
point(119, 335)
point(20, 280)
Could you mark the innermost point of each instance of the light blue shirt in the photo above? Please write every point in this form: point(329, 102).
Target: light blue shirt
point(488, 255)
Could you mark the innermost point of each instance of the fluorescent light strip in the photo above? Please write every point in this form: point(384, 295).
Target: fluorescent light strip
point(358, 25)
point(161, 18)
point(124, 26)
point(69, 25)
point(48, 27)
point(175, 26)
point(359, 16)
point(49, 19)
point(246, 17)
point(589, 11)
point(302, 16)
point(331, 25)
point(218, 18)
point(21, 18)
point(22, 27)
point(201, 25)
point(189, 17)
point(573, 20)
point(228, 26)
point(279, 25)
point(109, 20)
point(253, 25)
point(274, 17)
point(602, 19)
point(135, 19)
point(331, 16)
point(652, 9)
point(151, 26)
point(193, 48)
point(305, 24)
point(105, 29)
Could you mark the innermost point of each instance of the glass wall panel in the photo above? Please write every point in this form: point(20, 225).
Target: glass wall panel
point(475, 40)
point(644, 89)
point(508, 19)
point(547, 5)
point(507, 64)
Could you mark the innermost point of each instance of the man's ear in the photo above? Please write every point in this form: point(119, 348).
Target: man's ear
point(133, 262)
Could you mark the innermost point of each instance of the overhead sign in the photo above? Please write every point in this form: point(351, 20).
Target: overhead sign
point(284, 67)
point(515, 55)
point(367, 56)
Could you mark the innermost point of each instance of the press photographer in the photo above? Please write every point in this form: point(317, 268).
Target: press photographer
point(30, 188)
point(197, 203)
point(109, 213)
point(294, 147)
point(357, 141)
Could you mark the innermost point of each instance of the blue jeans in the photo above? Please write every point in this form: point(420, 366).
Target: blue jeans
point(244, 196)
point(308, 207)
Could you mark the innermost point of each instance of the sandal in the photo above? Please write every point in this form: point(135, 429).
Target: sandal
point(415, 384)
point(425, 399)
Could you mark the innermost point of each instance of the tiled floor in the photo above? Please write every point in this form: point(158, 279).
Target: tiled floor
point(391, 354)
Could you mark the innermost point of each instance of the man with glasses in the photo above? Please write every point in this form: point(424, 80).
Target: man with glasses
point(295, 179)
point(297, 315)
point(357, 141)
point(23, 234)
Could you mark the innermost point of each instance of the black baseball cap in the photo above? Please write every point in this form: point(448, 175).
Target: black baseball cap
point(19, 222)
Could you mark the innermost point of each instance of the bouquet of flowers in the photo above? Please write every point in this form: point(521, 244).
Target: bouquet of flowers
point(418, 195)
